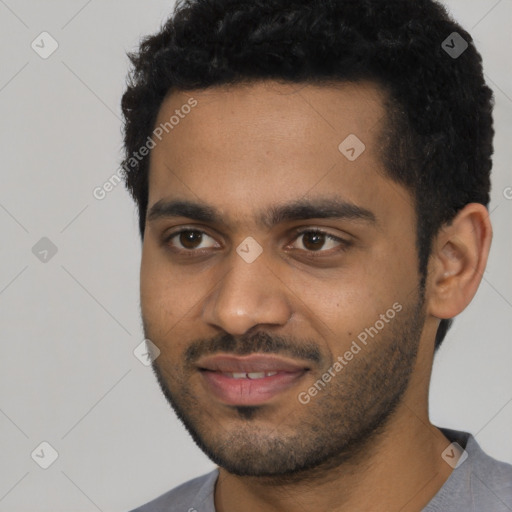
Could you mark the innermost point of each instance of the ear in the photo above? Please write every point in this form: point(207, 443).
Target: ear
point(457, 261)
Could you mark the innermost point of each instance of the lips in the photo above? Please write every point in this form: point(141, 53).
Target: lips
point(249, 375)
point(249, 364)
point(249, 380)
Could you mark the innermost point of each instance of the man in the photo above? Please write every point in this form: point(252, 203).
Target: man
point(312, 181)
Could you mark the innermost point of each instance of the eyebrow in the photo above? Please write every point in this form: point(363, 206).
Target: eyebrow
point(302, 209)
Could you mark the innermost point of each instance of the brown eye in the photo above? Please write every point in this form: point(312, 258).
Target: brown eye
point(315, 240)
point(189, 239)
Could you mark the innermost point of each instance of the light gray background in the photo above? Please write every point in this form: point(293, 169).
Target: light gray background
point(68, 375)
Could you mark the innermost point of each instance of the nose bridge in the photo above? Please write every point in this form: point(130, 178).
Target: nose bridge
point(249, 294)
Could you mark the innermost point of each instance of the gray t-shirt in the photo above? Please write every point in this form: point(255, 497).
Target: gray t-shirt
point(479, 484)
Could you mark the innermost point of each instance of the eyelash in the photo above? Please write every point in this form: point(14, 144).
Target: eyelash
point(344, 244)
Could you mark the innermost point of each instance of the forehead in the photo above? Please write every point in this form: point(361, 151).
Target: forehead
point(268, 109)
point(240, 145)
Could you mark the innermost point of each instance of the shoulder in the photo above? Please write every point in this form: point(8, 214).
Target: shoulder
point(480, 482)
point(491, 475)
point(193, 496)
point(495, 473)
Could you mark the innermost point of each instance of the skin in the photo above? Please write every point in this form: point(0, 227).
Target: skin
point(242, 150)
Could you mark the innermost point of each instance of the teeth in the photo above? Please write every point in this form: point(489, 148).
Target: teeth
point(256, 375)
point(250, 375)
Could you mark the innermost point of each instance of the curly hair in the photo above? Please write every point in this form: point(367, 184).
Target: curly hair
point(438, 137)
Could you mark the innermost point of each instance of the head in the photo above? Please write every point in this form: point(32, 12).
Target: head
point(245, 107)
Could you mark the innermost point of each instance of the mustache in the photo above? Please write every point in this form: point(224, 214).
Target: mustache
point(259, 342)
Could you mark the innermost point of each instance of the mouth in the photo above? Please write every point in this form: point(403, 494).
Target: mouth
point(249, 380)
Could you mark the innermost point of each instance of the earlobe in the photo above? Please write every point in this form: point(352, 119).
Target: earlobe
point(458, 259)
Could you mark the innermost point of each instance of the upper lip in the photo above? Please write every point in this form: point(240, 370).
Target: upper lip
point(249, 364)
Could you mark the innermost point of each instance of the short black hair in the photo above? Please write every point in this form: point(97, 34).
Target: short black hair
point(439, 131)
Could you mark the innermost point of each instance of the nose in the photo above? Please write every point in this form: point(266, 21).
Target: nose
point(249, 294)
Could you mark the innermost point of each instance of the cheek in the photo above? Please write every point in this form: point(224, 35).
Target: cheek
point(158, 302)
point(162, 307)
point(332, 306)
point(354, 298)
point(342, 310)
point(149, 281)
point(169, 295)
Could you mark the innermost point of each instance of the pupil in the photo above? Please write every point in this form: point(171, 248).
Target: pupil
point(316, 240)
point(189, 238)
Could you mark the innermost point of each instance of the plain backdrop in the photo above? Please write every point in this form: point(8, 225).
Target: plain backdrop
point(69, 325)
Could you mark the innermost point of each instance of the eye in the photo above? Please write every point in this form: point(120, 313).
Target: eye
point(188, 240)
point(316, 240)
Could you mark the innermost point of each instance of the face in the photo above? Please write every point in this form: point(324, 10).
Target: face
point(279, 273)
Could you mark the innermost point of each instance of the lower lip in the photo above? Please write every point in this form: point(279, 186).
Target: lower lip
point(249, 391)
